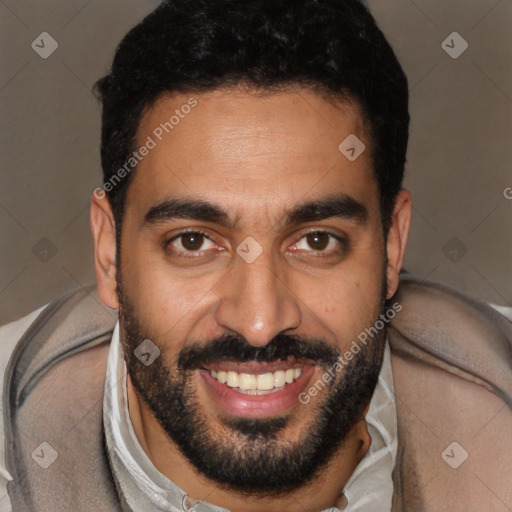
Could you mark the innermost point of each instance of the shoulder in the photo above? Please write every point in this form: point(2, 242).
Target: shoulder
point(445, 328)
point(452, 371)
point(10, 334)
point(52, 358)
point(454, 438)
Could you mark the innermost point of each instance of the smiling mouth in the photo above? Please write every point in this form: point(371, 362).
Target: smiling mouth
point(257, 384)
point(255, 389)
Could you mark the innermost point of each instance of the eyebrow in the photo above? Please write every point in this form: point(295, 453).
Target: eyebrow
point(340, 205)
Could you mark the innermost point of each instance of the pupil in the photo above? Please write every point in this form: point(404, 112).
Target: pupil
point(193, 241)
point(318, 241)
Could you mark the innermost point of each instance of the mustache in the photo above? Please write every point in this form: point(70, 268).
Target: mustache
point(236, 348)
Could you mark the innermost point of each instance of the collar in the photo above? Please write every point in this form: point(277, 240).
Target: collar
point(142, 487)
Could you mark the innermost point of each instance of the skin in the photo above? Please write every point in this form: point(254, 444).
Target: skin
point(257, 156)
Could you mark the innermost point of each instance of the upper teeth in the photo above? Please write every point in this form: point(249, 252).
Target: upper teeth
point(263, 382)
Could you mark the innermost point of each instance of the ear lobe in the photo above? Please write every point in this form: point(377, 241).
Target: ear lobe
point(104, 235)
point(396, 243)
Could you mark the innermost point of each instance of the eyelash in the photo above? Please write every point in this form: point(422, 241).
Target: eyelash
point(191, 254)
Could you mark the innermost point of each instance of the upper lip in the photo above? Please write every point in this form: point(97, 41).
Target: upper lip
point(255, 367)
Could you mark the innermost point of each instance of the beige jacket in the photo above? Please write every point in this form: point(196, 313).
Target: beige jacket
point(452, 368)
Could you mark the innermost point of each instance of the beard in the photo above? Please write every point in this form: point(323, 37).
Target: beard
point(243, 454)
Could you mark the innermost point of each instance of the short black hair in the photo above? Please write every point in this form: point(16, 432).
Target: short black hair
point(330, 45)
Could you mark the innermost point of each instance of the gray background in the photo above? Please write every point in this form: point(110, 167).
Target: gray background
point(459, 161)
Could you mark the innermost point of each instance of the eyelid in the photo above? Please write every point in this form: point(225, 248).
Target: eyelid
point(342, 241)
point(183, 232)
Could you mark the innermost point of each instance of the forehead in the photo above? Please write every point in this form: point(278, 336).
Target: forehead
point(249, 151)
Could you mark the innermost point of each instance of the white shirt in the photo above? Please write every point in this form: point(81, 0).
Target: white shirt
point(370, 484)
point(369, 488)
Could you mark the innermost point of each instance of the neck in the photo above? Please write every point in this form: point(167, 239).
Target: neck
point(321, 493)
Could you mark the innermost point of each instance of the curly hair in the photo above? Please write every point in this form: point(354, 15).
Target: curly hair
point(331, 45)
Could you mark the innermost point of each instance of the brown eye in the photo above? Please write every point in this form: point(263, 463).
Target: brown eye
point(192, 241)
point(318, 241)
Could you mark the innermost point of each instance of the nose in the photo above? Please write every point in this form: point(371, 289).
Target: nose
point(256, 303)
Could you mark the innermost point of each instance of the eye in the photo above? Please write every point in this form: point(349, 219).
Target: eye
point(319, 241)
point(191, 241)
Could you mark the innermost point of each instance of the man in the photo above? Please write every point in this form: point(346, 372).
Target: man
point(250, 231)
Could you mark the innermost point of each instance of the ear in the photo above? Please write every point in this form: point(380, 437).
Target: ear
point(104, 234)
point(397, 239)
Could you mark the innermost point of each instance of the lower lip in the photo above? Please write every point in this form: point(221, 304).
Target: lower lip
point(256, 406)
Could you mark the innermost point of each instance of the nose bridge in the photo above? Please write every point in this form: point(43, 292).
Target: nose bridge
point(256, 303)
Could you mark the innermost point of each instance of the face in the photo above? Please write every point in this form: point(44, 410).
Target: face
point(252, 256)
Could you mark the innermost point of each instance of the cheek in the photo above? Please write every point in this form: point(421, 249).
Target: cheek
point(167, 304)
point(346, 302)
